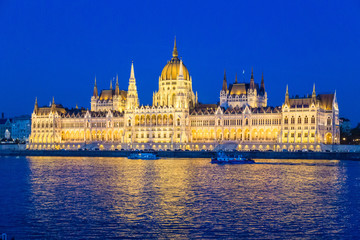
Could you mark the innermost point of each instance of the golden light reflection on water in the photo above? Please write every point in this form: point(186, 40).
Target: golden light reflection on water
point(183, 198)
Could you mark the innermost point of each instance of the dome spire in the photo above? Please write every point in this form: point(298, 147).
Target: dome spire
point(175, 52)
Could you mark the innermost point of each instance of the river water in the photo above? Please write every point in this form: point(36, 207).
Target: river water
point(117, 198)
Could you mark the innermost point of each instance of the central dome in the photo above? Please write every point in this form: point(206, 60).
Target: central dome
point(172, 68)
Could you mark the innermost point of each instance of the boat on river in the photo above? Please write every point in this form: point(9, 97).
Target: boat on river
point(223, 158)
point(144, 156)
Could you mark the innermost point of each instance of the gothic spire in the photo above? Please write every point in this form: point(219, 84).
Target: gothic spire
point(313, 92)
point(111, 84)
point(224, 86)
point(117, 90)
point(53, 105)
point(236, 79)
point(287, 100)
point(132, 100)
point(36, 108)
point(132, 73)
point(95, 94)
point(252, 83)
point(175, 52)
point(262, 85)
point(313, 96)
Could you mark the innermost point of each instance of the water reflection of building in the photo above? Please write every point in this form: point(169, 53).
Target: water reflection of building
point(176, 119)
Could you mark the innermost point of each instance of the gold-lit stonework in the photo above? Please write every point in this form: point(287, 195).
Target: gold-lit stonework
point(242, 120)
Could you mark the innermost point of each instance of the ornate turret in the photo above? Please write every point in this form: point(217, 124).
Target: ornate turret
point(224, 85)
point(117, 90)
point(111, 84)
point(252, 83)
point(95, 89)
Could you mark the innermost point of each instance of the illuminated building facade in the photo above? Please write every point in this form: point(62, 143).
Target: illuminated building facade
point(175, 120)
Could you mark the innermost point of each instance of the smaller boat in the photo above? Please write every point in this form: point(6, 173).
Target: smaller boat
point(222, 158)
point(144, 156)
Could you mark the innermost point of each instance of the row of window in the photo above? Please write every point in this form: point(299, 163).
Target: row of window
point(299, 128)
point(44, 125)
point(299, 120)
point(235, 122)
point(292, 135)
point(164, 135)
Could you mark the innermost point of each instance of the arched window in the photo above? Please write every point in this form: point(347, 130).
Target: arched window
point(178, 121)
point(247, 122)
point(306, 120)
point(286, 120)
point(313, 119)
point(129, 123)
point(328, 121)
point(299, 120)
point(292, 120)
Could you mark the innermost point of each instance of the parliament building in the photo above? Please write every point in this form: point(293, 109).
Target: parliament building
point(241, 120)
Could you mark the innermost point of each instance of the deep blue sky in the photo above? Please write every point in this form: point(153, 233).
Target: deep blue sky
point(55, 48)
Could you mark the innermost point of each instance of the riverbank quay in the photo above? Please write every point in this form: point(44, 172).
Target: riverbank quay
point(188, 154)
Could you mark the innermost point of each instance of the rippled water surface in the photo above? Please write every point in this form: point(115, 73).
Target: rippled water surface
point(117, 198)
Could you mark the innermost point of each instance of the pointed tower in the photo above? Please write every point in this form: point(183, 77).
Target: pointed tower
point(36, 107)
point(313, 95)
point(111, 84)
point(117, 90)
point(262, 85)
point(236, 81)
point(252, 83)
point(132, 94)
point(224, 92)
point(53, 106)
point(287, 99)
point(224, 85)
point(95, 94)
point(94, 98)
